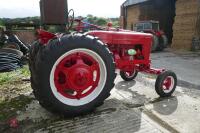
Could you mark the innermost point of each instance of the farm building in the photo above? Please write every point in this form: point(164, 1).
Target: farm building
point(179, 19)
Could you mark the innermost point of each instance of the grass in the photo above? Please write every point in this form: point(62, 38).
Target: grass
point(11, 84)
point(14, 75)
point(8, 109)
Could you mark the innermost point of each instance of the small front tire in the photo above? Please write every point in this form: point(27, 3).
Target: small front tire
point(166, 84)
point(128, 76)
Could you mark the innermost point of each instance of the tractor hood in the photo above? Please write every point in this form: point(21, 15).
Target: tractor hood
point(122, 37)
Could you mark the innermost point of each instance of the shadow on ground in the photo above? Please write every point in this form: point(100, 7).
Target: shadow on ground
point(113, 116)
point(165, 106)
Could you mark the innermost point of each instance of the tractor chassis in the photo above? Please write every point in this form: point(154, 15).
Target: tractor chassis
point(78, 70)
point(121, 64)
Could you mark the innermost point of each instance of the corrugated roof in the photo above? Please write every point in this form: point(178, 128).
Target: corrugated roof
point(133, 2)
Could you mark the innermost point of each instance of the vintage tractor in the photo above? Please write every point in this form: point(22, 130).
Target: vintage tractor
point(160, 40)
point(73, 73)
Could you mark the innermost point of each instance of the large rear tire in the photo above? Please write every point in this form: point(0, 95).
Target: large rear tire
point(155, 43)
point(163, 43)
point(72, 75)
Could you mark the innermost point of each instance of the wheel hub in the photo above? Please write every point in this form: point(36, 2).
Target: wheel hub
point(167, 83)
point(80, 78)
point(130, 74)
point(74, 76)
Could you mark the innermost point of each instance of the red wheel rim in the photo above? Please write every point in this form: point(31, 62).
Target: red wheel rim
point(130, 74)
point(168, 84)
point(77, 75)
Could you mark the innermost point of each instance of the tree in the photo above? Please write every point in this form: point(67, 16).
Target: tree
point(1, 23)
point(101, 21)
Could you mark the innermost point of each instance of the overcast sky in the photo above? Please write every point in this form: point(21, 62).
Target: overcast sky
point(25, 8)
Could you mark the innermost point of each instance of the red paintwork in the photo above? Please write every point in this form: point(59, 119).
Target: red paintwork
point(44, 36)
point(81, 82)
point(119, 41)
point(157, 33)
point(167, 83)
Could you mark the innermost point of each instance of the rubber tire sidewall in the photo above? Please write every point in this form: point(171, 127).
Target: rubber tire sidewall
point(165, 41)
point(48, 56)
point(155, 43)
point(159, 81)
point(125, 78)
point(12, 51)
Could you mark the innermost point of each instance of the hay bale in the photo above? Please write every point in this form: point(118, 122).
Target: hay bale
point(162, 11)
point(197, 28)
point(184, 28)
point(186, 23)
point(133, 14)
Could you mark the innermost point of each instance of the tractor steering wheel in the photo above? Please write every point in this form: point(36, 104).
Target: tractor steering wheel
point(70, 15)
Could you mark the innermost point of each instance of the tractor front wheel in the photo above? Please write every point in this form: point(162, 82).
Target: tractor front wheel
point(128, 76)
point(166, 83)
point(73, 75)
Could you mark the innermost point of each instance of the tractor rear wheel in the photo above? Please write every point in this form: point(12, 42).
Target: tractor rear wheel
point(155, 43)
point(72, 75)
point(163, 43)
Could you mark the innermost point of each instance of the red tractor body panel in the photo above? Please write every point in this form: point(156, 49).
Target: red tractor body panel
point(119, 42)
point(78, 69)
point(123, 38)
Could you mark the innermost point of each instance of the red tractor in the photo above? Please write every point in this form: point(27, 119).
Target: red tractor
point(73, 73)
point(160, 40)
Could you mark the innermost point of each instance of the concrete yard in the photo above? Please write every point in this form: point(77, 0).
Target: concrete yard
point(185, 64)
point(132, 107)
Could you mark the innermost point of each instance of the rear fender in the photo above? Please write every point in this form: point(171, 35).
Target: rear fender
point(44, 36)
